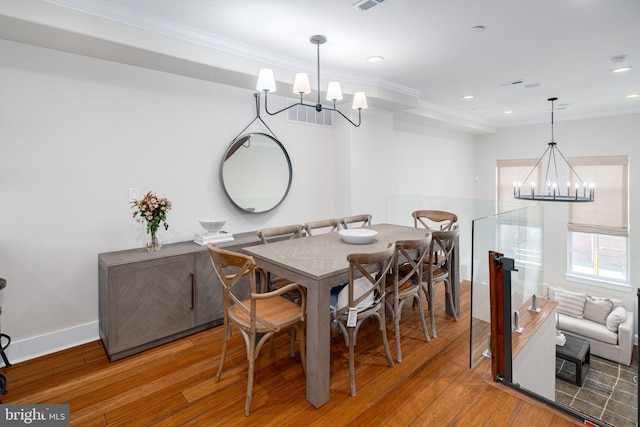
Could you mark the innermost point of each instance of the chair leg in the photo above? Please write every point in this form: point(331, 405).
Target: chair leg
point(352, 362)
point(383, 330)
point(247, 404)
point(429, 292)
point(396, 327)
point(454, 309)
point(418, 300)
point(303, 347)
point(227, 337)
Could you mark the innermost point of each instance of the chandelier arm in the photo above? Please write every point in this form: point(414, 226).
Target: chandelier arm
point(284, 109)
point(347, 118)
point(569, 165)
point(536, 165)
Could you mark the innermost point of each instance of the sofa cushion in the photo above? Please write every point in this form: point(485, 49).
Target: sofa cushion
point(597, 309)
point(617, 316)
point(570, 303)
point(587, 329)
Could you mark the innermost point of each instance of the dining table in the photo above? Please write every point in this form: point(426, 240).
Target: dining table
point(319, 263)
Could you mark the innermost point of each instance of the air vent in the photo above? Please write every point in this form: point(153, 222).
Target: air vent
point(306, 115)
point(364, 5)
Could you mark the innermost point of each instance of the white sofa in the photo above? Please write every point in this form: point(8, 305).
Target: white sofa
point(604, 322)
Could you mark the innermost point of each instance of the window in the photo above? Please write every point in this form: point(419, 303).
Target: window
point(597, 240)
point(510, 173)
point(518, 236)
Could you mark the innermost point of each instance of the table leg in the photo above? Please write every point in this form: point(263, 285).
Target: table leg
point(318, 342)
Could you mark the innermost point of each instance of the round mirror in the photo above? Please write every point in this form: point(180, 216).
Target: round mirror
point(256, 172)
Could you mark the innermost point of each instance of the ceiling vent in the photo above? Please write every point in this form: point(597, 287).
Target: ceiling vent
point(364, 5)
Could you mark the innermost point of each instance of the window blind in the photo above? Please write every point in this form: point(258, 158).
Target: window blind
point(515, 170)
point(608, 214)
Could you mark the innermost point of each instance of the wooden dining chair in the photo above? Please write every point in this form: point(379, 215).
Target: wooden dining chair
point(260, 316)
point(355, 221)
point(405, 282)
point(323, 225)
point(366, 295)
point(435, 220)
point(274, 234)
point(438, 270)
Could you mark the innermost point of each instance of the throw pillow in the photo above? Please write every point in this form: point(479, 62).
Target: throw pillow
point(617, 316)
point(597, 310)
point(361, 285)
point(570, 303)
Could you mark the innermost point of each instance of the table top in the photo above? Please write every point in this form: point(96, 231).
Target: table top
point(575, 348)
point(325, 255)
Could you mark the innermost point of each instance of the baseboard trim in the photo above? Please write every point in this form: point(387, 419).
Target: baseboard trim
point(41, 345)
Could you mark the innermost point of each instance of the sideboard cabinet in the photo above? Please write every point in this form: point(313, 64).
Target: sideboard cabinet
point(147, 299)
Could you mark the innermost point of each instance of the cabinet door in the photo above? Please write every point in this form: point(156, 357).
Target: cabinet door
point(149, 300)
point(209, 305)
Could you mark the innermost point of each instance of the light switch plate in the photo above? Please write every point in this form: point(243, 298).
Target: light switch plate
point(134, 194)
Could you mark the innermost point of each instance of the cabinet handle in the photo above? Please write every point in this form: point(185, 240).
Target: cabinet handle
point(193, 290)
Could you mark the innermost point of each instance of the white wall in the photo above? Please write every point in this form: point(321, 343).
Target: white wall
point(78, 132)
point(597, 136)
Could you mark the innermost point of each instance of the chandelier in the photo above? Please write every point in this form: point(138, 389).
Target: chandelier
point(576, 191)
point(267, 83)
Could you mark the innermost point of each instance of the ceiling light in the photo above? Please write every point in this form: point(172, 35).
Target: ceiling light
point(467, 97)
point(374, 59)
point(633, 95)
point(301, 86)
point(364, 5)
point(551, 191)
point(622, 69)
point(508, 112)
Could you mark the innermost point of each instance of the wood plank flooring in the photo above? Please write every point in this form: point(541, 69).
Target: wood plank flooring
point(173, 385)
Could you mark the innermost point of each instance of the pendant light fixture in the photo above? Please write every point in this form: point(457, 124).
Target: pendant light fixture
point(301, 86)
point(549, 190)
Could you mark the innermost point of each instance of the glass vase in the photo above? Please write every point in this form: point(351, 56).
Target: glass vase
point(154, 244)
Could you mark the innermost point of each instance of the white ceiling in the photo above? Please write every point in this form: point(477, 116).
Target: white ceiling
point(433, 56)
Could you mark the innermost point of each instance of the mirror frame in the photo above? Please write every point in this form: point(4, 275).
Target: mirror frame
point(233, 147)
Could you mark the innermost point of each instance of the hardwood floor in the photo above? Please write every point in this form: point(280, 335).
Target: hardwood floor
point(173, 385)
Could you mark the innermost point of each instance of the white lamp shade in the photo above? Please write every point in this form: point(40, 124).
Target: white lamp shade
point(301, 84)
point(334, 92)
point(359, 101)
point(266, 81)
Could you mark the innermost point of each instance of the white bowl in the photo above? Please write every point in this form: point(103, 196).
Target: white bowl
point(358, 236)
point(213, 225)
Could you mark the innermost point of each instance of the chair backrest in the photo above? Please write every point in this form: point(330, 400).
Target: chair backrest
point(442, 245)
point(435, 220)
point(411, 254)
point(285, 232)
point(230, 267)
point(373, 267)
point(355, 221)
point(329, 225)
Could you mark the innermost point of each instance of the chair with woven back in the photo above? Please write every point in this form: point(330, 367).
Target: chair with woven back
point(405, 282)
point(434, 220)
point(260, 316)
point(355, 221)
point(322, 226)
point(438, 270)
point(366, 294)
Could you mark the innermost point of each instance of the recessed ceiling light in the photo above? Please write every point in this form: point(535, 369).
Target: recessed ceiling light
point(467, 97)
point(374, 59)
point(622, 69)
point(633, 95)
point(508, 112)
